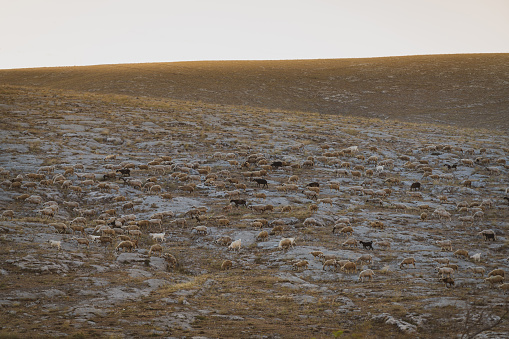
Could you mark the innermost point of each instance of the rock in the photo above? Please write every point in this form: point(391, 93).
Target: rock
point(403, 326)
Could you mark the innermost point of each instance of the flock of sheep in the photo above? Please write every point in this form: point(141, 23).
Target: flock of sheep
point(246, 180)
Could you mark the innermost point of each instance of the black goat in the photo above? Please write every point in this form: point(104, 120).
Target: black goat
point(416, 186)
point(261, 182)
point(126, 172)
point(277, 164)
point(367, 244)
point(313, 184)
point(239, 202)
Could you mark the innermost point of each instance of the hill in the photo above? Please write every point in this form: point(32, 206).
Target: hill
point(468, 90)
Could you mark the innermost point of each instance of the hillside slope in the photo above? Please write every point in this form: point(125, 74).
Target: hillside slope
point(465, 90)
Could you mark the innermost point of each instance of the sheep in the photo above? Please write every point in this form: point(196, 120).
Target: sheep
point(366, 274)
point(226, 265)
point(316, 253)
point(445, 245)
point(303, 264)
point(263, 235)
point(478, 269)
point(136, 233)
point(56, 243)
point(83, 241)
point(366, 244)
point(467, 162)
point(200, 230)
point(349, 267)
point(328, 263)
point(286, 243)
point(476, 257)
point(155, 248)
point(350, 242)
point(76, 228)
point(325, 257)
point(504, 286)
point(310, 194)
point(461, 252)
point(311, 222)
point(129, 245)
point(442, 214)
point(377, 224)
point(224, 241)
point(277, 229)
point(407, 261)
point(158, 236)
point(497, 271)
point(496, 279)
point(445, 271)
point(60, 227)
point(348, 230)
point(239, 202)
point(367, 258)
point(235, 245)
point(443, 261)
point(416, 186)
point(223, 222)
point(384, 243)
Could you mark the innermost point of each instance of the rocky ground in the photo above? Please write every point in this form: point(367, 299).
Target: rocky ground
point(97, 291)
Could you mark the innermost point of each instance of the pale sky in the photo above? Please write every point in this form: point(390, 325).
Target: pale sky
point(40, 33)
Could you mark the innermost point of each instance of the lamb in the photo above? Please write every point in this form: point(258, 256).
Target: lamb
point(445, 245)
point(496, 279)
point(155, 248)
point(407, 261)
point(56, 243)
point(158, 236)
point(480, 270)
point(446, 271)
point(303, 264)
point(129, 245)
point(366, 274)
point(235, 246)
point(476, 257)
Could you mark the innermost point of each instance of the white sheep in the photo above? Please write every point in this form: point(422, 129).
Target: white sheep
point(56, 243)
point(479, 269)
point(476, 257)
point(286, 243)
point(235, 245)
point(446, 271)
point(445, 245)
point(158, 236)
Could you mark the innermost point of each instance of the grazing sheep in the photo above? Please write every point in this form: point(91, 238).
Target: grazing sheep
point(476, 257)
point(155, 248)
point(158, 236)
point(479, 269)
point(235, 245)
point(443, 261)
point(226, 265)
point(497, 271)
point(286, 243)
point(445, 271)
point(224, 241)
point(350, 242)
point(366, 274)
point(504, 286)
point(496, 279)
point(55, 243)
point(8, 214)
point(202, 230)
point(377, 224)
point(384, 243)
point(348, 230)
point(349, 267)
point(316, 253)
point(303, 264)
point(416, 186)
point(407, 261)
point(60, 227)
point(129, 245)
point(263, 235)
point(311, 222)
point(82, 241)
point(445, 245)
point(463, 253)
point(170, 260)
point(488, 235)
point(367, 258)
point(329, 263)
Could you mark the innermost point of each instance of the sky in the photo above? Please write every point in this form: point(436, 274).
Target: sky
point(46, 33)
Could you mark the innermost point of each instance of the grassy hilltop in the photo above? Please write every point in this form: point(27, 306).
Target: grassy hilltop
point(470, 90)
